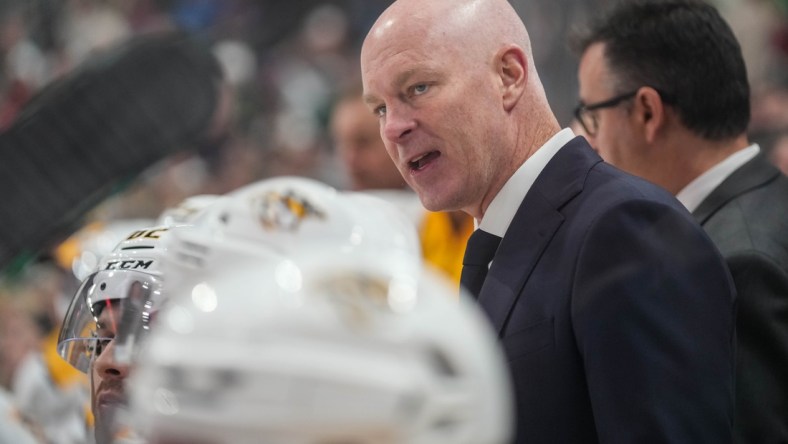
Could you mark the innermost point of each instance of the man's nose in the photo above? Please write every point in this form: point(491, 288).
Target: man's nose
point(397, 125)
point(108, 367)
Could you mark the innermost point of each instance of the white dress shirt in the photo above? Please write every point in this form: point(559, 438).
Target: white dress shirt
point(504, 205)
point(699, 189)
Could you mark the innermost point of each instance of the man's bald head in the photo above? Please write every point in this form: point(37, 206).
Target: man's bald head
point(471, 28)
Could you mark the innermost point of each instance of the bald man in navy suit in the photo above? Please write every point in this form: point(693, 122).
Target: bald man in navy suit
point(615, 309)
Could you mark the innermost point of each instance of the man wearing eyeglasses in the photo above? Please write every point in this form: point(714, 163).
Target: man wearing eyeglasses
point(668, 100)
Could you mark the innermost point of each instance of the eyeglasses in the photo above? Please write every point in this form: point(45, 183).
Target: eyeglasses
point(588, 119)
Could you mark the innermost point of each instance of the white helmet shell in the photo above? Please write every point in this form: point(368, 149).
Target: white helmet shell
point(188, 210)
point(278, 217)
point(316, 213)
point(96, 242)
point(337, 347)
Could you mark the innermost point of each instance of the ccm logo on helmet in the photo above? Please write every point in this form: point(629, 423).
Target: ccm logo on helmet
point(130, 264)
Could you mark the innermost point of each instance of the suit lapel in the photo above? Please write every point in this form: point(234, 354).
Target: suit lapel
point(752, 174)
point(515, 259)
point(536, 221)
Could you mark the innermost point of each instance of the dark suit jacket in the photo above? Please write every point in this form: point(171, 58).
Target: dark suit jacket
point(615, 311)
point(747, 217)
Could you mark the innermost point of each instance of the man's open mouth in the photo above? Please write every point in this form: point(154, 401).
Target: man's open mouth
point(421, 161)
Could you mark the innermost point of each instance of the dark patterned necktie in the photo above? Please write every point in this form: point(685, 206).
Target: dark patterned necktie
point(478, 254)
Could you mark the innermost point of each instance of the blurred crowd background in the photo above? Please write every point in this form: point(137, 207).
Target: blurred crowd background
point(286, 61)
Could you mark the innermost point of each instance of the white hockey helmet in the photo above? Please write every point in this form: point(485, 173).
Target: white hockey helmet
point(188, 210)
point(116, 301)
point(342, 347)
point(275, 218)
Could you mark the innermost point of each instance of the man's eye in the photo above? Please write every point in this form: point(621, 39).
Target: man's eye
point(420, 89)
point(97, 346)
point(380, 111)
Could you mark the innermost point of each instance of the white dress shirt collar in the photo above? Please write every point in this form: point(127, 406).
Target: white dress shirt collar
point(699, 189)
point(504, 205)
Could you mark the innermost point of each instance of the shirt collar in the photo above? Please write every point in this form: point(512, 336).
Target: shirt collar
point(699, 189)
point(505, 204)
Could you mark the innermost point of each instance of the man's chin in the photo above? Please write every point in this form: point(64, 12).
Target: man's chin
point(435, 201)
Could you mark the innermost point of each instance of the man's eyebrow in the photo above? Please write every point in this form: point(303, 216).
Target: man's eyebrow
point(369, 99)
point(404, 76)
point(401, 79)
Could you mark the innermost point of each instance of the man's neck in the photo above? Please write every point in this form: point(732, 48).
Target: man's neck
point(690, 156)
point(527, 142)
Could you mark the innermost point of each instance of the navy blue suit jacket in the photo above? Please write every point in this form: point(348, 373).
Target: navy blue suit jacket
point(615, 311)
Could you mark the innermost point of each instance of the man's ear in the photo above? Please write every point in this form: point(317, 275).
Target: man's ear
point(649, 110)
point(512, 67)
